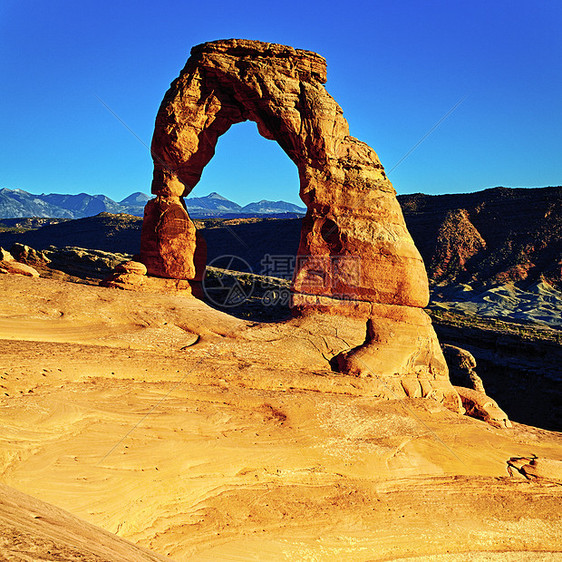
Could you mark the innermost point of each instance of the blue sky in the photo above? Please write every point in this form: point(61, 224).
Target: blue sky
point(395, 67)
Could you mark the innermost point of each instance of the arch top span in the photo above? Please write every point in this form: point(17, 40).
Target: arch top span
point(229, 81)
point(308, 64)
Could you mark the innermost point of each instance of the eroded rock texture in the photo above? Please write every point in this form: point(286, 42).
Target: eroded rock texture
point(479, 405)
point(401, 350)
point(8, 265)
point(462, 368)
point(352, 209)
point(356, 256)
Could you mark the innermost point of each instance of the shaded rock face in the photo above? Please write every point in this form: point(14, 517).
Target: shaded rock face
point(9, 266)
point(355, 255)
point(490, 237)
point(478, 405)
point(28, 255)
point(469, 387)
point(462, 365)
point(83, 262)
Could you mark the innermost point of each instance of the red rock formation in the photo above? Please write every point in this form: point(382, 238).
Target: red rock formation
point(8, 265)
point(355, 256)
point(354, 241)
point(168, 239)
point(457, 242)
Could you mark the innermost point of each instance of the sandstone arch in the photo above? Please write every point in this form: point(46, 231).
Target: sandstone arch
point(356, 256)
point(352, 209)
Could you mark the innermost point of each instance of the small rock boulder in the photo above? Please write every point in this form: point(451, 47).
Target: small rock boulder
point(133, 267)
point(127, 275)
point(26, 254)
point(13, 267)
point(462, 367)
point(482, 407)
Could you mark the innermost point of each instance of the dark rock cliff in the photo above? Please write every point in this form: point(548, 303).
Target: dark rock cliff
point(490, 237)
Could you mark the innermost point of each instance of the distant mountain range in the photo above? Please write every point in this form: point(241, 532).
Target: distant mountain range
point(16, 203)
point(488, 238)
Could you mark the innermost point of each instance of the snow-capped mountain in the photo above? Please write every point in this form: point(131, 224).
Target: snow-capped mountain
point(16, 203)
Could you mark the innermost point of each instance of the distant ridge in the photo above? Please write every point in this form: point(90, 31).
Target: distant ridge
point(17, 203)
point(211, 205)
point(491, 237)
point(267, 207)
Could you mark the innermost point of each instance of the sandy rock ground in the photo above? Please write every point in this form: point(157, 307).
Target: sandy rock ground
point(34, 530)
point(201, 436)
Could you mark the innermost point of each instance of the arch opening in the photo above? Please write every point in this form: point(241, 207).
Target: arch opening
point(252, 246)
point(245, 164)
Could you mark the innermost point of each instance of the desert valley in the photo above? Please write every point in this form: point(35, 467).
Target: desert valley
point(390, 392)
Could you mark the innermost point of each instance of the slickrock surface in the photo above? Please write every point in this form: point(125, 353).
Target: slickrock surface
point(204, 437)
point(33, 530)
